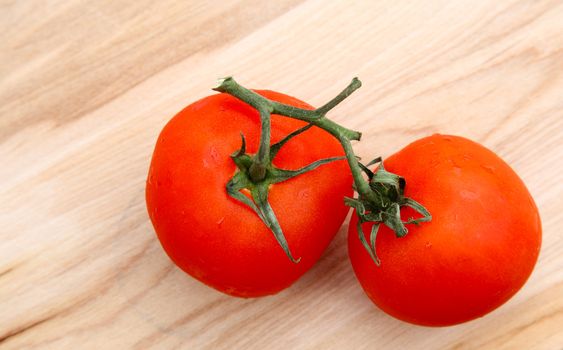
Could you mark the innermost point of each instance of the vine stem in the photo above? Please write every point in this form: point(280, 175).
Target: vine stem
point(380, 196)
point(315, 117)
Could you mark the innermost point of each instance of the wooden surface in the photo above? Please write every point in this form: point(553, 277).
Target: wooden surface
point(86, 86)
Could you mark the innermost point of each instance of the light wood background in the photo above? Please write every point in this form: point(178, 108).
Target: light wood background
point(86, 86)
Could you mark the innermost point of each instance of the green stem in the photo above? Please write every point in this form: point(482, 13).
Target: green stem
point(353, 86)
point(362, 186)
point(380, 198)
point(315, 117)
point(258, 168)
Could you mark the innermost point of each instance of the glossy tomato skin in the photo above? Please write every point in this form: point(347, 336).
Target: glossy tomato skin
point(215, 238)
point(476, 253)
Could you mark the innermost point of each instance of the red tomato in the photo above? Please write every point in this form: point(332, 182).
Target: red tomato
point(215, 238)
point(476, 253)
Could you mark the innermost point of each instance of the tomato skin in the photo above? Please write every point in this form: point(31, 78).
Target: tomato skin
point(215, 238)
point(477, 252)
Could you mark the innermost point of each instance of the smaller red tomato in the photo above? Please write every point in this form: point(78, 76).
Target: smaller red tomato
point(476, 253)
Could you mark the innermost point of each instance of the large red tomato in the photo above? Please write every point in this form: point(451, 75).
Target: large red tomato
point(476, 253)
point(215, 238)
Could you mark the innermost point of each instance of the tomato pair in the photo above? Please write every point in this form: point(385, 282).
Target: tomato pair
point(477, 251)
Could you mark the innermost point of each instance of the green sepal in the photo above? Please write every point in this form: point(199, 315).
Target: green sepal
point(260, 194)
point(375, 161)
point(259, 191)
point(235, 185)
point(373, 236)
point(242, 149)
point(367, 171)
point(260, 205)
point(366, 245)
point(384, 207)
point(426, 217)
point(392, 219)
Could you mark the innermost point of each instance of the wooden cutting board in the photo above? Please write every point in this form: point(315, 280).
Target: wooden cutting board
point(86, 86)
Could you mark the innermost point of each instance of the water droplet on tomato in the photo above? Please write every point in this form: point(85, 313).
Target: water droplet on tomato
point(468, 194)
point(220, 222)
point(211, 157)
point(304, 193)
point(456, 166)
point(488, 168)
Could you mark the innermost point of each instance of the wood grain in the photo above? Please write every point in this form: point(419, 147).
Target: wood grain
point(85, 88)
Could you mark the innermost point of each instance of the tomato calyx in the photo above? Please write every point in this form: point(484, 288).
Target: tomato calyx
point(258, 190)
point(379, 199)
point(384, 207)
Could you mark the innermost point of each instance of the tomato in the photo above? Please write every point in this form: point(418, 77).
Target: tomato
point(219, 240)
point(476, 253)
